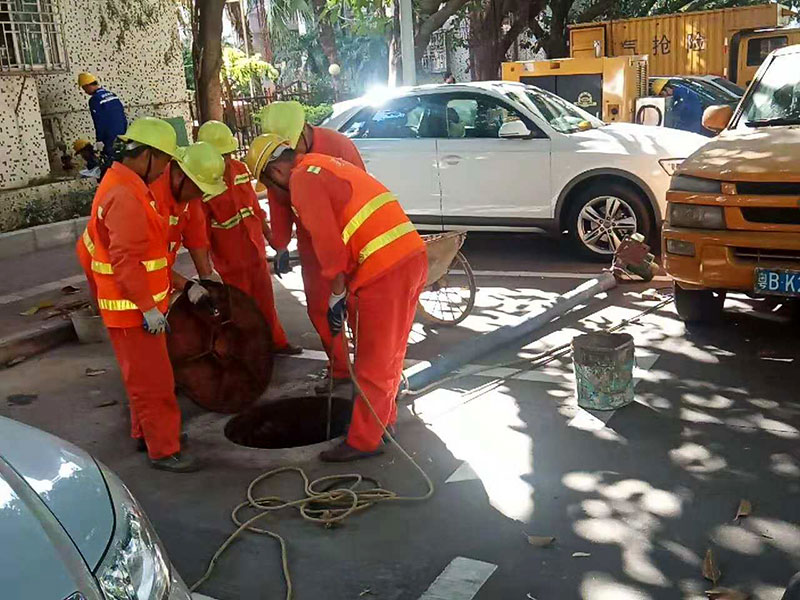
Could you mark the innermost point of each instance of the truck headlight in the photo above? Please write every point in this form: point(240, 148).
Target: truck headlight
point(696, 216)
point(135, 566)
point(670, 164)
point(699, 185)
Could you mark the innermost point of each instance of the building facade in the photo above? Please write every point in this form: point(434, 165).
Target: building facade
point(132, 47)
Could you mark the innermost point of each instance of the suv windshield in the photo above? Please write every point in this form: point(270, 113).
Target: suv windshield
point(775, 97)
point(562, 116)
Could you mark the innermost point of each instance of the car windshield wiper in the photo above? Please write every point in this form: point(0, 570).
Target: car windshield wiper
point(776, 121)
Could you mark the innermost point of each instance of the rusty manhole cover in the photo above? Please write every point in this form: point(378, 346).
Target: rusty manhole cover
point(221, 351)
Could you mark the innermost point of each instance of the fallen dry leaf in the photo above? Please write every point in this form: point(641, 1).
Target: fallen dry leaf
point(541, 541)
point(104, 403)
point(726, 594)
point(744, 510)
point(580, 555)
point(710, 569)
point(68, 290)
point(90, 372)
point(34, 309)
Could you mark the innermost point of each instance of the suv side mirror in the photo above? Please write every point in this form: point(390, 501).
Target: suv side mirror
point(716, 118)
point(513, 129)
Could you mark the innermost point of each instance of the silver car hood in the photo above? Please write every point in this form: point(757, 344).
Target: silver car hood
point(67, 481)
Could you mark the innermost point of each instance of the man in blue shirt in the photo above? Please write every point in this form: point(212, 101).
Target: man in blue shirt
point(108, 114)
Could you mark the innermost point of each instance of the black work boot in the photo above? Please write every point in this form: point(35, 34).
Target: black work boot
point(344, 452)
point(180, 462)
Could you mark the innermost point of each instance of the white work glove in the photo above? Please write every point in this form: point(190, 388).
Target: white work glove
point(195, 292)
point(100, 146)
point(214, 276)
point(154, 321)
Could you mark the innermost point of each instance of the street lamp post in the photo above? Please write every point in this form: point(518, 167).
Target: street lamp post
point(407, 43)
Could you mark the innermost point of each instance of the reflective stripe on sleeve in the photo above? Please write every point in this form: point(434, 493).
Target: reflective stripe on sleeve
point(242, 178)
point(87, 241)
point(150, 265)
point(234, 220)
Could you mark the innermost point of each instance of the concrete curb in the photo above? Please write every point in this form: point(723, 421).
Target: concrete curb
point(33, 341)
point(41, 237)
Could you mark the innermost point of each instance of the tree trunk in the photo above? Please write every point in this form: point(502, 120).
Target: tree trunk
point(207, 56)
point(327, 37)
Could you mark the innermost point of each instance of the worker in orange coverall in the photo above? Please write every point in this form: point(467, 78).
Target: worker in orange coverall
point(179, 192)
point(236, 227)
point(124, 252)
point(376, 261)
point(288, 120)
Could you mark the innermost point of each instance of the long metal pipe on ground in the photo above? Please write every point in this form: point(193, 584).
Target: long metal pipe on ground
point(472, 349)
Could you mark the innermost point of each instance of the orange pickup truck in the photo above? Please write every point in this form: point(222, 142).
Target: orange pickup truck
point(733, 213)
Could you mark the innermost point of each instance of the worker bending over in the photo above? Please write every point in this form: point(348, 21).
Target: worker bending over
point(124, 251)
point(197, 171)
point(237, 229)
point(377, 265)
point(288, 120)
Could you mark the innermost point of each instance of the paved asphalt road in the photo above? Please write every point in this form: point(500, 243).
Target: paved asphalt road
point(634, 498)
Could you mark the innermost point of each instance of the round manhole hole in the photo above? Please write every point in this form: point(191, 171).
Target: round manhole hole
point(289, 422)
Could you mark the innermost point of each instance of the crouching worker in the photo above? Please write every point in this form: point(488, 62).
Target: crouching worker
point(237, 229)
point(124, 252)
point(377, 265)
point(196, 172)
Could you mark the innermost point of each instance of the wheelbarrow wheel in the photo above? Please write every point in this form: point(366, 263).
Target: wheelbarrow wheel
point(449, 300)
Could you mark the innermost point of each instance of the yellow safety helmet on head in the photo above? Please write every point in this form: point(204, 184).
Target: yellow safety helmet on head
point(286, 119)
point(86, 79)
point(218, 135)
point(204, 165)
point(80, 144)
point(153, 132)
point(264, 149)
point(658, 85)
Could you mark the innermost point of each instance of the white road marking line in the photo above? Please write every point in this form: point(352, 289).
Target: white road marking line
point(50, 286)
point(460, 580)
point(197, 596)
point(591, 421)
point(463, 473)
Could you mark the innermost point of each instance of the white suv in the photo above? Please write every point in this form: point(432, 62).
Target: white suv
point(503, 156)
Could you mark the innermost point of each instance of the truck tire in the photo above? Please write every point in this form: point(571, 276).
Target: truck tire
point(698, 306)
point(603, 214)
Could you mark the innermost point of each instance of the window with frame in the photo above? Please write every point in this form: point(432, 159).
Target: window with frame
point(31, 36)
point(402, 118)
point(478, 117)
point(759, 48)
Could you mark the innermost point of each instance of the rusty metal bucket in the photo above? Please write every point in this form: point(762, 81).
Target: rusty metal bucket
point(221, 350)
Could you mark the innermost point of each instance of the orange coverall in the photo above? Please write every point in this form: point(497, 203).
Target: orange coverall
point(186, 222)
point(143, 359)
point(381, 308)
point(317, 288)
point(233, 223)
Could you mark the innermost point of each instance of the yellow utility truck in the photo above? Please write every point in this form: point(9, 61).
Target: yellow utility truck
point(729, 42)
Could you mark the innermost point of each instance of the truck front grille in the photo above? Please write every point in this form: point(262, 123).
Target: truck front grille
point(765, 254)
point(777, 216)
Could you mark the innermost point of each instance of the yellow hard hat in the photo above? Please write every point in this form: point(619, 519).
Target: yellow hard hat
point(80, 144)
point(204, 165)
point(264, 149)
point(285, 119)
point(219, 135)
point(86, 79)
point(658, 85)
point(153, 132)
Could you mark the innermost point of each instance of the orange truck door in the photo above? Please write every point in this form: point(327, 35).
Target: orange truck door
point(587, 42)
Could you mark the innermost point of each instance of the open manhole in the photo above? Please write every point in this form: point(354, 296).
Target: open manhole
point(289, 422)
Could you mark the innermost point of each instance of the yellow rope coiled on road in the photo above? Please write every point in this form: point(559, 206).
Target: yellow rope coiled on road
point(323, 507)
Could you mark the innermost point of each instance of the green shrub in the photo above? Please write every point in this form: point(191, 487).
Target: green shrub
point(77, 204)
point(38, 211)
point(315, 115)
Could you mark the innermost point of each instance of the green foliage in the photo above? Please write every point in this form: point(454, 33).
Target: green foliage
point(315, 115)
point(241, 69)
point(188, 65)
point(132, 15)
point(40, 211)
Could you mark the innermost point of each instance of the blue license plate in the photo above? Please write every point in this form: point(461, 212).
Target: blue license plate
point(778, 282)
